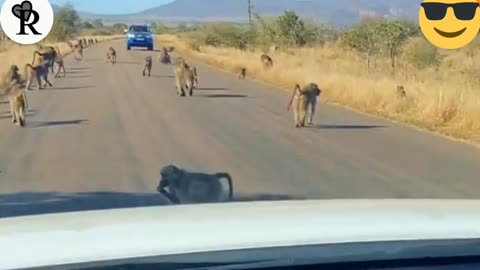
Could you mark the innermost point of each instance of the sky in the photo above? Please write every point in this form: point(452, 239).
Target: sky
point(110, 6)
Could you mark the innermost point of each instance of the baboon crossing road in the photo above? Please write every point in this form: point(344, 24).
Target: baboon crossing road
point(304, 99)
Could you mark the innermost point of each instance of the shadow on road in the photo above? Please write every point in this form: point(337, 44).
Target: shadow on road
point(78, 76)
point(211, 88)
point(348, 126)
point(78, 68)
point(57, 123)
point(128, 63)
point(224, 96)
point(162, 76)
point(69, 87)
point(36, 203)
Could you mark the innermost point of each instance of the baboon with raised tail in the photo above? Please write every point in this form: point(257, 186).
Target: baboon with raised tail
point(304, 101)
point(183, 187)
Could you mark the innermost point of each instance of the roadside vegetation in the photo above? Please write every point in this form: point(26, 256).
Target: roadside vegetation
point(67, 27)
point(359, 67)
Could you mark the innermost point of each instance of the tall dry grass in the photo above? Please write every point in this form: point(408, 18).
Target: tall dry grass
point(445, 100)
point(19, 55)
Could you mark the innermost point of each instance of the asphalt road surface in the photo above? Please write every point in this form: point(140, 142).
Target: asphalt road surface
point(99, 137)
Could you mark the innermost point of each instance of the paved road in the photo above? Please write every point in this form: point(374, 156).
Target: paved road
point(107, 129)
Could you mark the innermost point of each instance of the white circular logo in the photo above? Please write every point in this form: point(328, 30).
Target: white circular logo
point(26, 21)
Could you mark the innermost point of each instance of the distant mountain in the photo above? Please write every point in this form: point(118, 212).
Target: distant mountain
point(339, 12)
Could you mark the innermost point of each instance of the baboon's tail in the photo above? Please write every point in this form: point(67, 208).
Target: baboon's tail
point(230, 183)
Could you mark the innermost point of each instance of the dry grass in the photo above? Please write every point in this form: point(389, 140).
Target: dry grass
point(446, 100)
point(22, 54)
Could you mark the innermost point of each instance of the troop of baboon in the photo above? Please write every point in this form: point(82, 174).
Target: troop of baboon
point(183, 187)
point(45, 58)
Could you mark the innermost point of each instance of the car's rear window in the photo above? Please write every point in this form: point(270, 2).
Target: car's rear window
point(138, 28)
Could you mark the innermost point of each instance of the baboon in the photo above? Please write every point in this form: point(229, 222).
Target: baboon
point(49, 54)
point(185, 77)
point(96, 41)
point(148, 66)
point(84, 41)
point(401, 93)
point(112, 55)
point(78, 52)
point(38, 72)
point(304, 99)
point(18, 101)
point(273, 49)
point(267, 61)
point(164, 56)
point(60, 64)
point(13, 74)
point(193, 187)
point(242, 73)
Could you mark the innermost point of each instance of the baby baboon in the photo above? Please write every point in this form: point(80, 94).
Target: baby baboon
point(38, 72)
point(112, 55)
point(148, 66)
point(401, 93)
point(164, 56)
point(267, 61)
point(18, 101)
point(242, 73)
point(304, 99)
point(189, 187)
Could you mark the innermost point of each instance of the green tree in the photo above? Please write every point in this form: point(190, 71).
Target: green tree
point(119, 27)
point(422, 53)
point(291, 29)
point(97, 23)
point(65, 24)
point(392, 34)
point(365, 39)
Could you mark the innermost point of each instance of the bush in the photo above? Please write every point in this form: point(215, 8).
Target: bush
point(420, 53)
point(65, 24)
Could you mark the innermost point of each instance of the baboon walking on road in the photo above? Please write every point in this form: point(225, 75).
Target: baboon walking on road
point(304, 99)
point(60, 64)
point(147, 68)
point(267, 61)
point(49, 55)
point(18, 101)
point(185, 77)
point(38, 72)
point(189, 187)
point(112, 55)
point(78, 52)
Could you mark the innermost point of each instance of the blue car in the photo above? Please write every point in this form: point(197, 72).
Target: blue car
point(139, 36)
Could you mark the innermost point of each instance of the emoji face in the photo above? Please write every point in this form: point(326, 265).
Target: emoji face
point(450, 24)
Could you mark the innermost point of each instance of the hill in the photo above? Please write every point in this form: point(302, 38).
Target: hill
point(338, 12)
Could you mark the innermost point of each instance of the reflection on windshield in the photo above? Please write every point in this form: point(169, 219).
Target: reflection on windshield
point(138, 29)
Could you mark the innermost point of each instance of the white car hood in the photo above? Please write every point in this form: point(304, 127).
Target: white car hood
point(77, 237)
